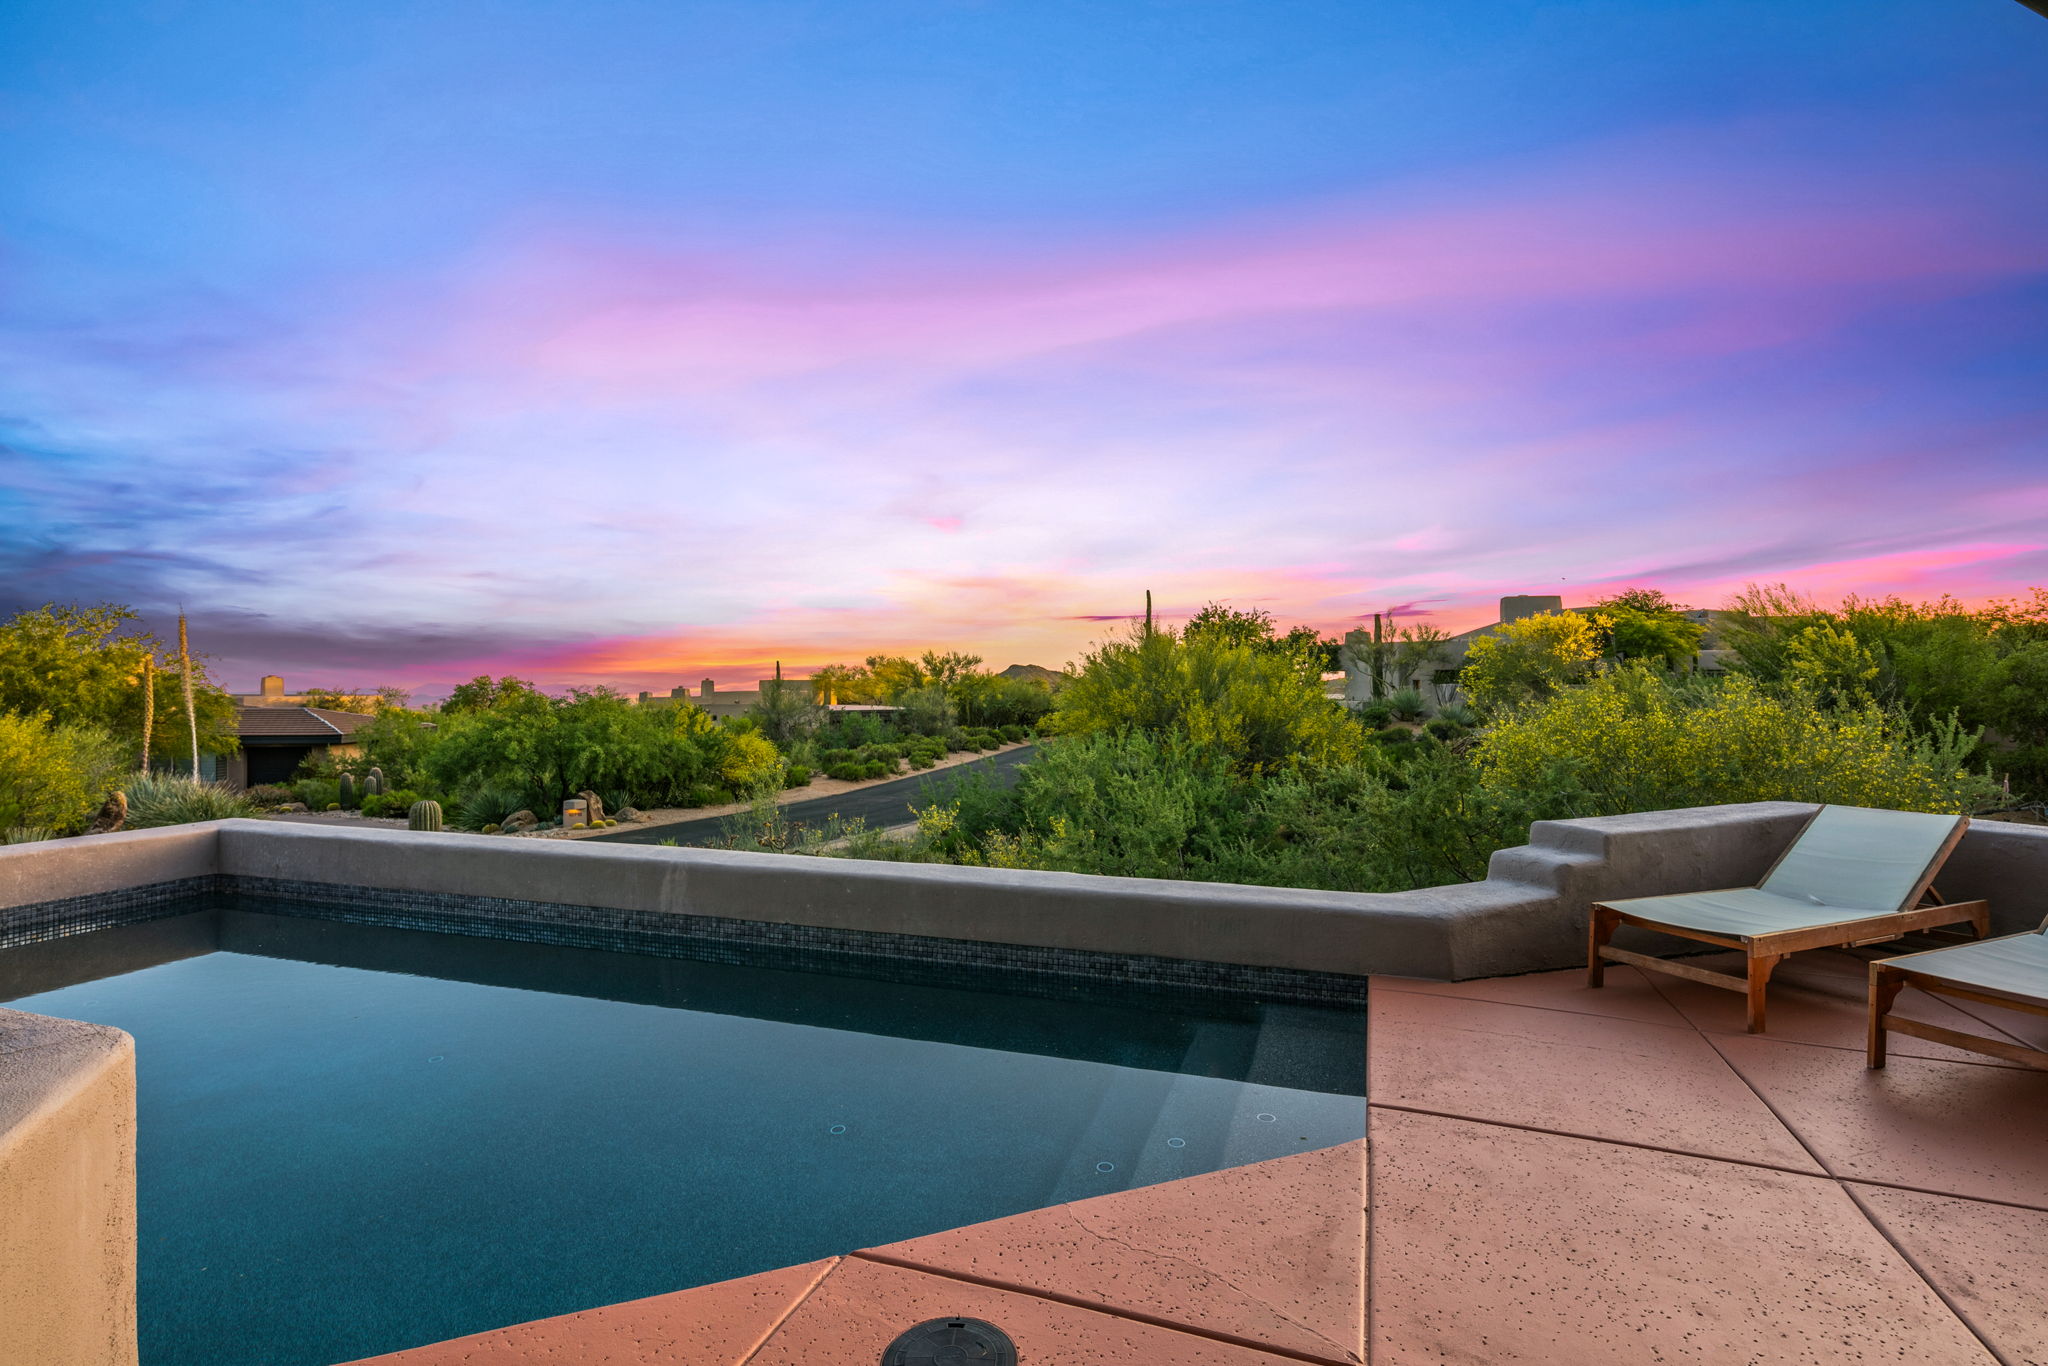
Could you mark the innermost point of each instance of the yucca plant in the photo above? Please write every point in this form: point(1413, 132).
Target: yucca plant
point(158, 799)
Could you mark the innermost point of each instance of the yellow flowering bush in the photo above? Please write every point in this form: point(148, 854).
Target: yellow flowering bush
point(1531, 658)
point(750, 759)
point(1634, 741)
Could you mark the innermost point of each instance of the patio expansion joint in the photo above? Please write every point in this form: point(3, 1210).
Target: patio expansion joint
point(1822, 1175)
point(1843, 1185)
point(795, 1303)
point(1098, 1307)
point(1932, 1284)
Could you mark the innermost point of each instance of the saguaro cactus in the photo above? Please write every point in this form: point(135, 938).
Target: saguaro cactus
point(373, 784)
point(424, 815)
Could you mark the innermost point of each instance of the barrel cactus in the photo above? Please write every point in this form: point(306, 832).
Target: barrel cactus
point(424, 815)
point(348, 790)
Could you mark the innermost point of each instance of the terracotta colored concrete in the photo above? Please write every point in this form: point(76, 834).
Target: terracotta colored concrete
point(1626, 996)
point(1951, 1127)
point(1990, 1260)
point(1500, 1245)
point(862, 1306)
point(2028, 1028)
point(67, 1193)
point(1273, 1252)
point(1662, 1085)
point(713, 1325)
point(1821, 1005)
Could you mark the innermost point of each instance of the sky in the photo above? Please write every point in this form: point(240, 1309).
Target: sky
point(637, 341)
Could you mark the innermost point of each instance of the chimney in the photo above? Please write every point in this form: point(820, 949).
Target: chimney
point(1515, 608)
point(709, 687)
point(272, 687)
point(679, 693)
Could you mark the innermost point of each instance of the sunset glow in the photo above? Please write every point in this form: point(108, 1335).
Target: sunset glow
point(635, 343)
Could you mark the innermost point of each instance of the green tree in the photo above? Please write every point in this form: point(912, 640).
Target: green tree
point(1641, 623)
point(484, 693)
point(83, 666)
point(1829, 662)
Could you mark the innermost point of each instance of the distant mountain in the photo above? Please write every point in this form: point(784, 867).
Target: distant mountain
point(1037, 673)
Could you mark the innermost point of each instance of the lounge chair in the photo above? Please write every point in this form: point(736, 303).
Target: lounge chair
point(2010, 971)
point(1854, 876)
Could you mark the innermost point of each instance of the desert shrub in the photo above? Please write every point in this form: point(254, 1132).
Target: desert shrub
point(796, 775)
point(702, 795)
point(1407, 705)
point(384, 804)
point(1457, 713)
point(271, 794)
point(886, 753)
point(851, 772)
point(155, 801)
point(838, 756)
point(1261, 709)
point(1013, 734)
point(53, 775)
point(1375, 715)
point(922, 760)
point(1444, 728)
point(1633, 740)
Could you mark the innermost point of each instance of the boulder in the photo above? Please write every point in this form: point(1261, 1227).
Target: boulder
point(631, 813)
point(520, 820)
point(593, 806)
point(112, 815)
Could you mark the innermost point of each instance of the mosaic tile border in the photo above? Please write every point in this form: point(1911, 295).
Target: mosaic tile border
point(913, 959)
point(44, 920)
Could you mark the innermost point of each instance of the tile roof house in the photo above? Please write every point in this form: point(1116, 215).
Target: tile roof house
point(276, 740)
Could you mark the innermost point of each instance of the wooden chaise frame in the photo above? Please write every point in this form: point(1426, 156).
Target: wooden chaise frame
point(1766, 950)
point(1889, 976)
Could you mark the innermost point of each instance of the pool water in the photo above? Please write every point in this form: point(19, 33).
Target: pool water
point(354, 1140)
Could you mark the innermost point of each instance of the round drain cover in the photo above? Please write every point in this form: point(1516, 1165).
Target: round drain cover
point(952, 1342)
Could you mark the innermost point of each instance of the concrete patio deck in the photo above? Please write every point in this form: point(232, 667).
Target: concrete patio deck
point(1555, 1175)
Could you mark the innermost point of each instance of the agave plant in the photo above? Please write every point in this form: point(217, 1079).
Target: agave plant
point(161, 799)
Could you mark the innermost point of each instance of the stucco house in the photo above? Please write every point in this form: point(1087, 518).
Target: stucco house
point(277, 739)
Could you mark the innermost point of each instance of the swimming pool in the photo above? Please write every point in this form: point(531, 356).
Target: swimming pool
point(355, 1139)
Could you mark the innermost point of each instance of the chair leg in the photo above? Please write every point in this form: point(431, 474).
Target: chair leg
point(1760, 977)
point(1980, 920)
point(1884, 989)
point(1599, 930)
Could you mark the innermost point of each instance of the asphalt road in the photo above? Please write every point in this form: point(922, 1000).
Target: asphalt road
point(880, 804)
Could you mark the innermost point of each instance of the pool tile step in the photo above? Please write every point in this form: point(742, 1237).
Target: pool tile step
point(1271, 1253)
point(862, 1305)
point(712, 1325)
point(1507, 1246)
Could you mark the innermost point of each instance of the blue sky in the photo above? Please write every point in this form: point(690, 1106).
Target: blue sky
point(635, 342)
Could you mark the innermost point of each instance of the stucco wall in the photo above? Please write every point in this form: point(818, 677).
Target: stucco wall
point(1528, 914)
point(67, 1193)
